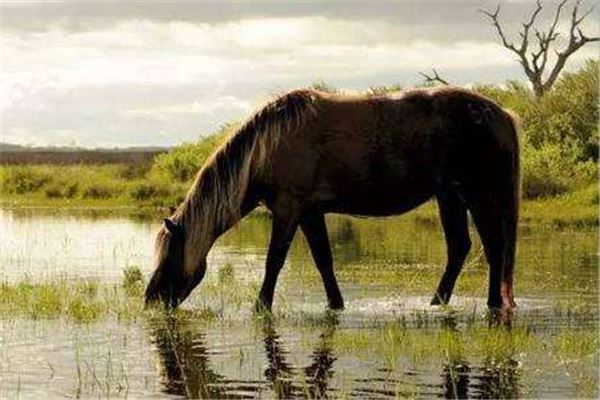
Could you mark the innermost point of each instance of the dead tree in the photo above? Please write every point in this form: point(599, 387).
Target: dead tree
point(535, 61)
point(434, 78)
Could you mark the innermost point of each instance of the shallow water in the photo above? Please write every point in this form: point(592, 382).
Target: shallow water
point(387, 271)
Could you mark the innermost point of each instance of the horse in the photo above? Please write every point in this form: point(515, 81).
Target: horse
point(308, 153)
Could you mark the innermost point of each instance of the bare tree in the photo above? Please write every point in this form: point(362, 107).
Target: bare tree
point(434, 78)
point(534, 62)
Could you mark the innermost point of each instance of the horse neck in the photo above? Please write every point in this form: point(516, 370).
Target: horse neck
point(200, 240)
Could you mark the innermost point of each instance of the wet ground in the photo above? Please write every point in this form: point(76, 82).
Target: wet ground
point(387, 343)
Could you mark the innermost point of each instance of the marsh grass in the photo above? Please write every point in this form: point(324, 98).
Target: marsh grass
point(506, 351)
point(109, 185)
point(80, 301)
point(414, 342)
point(133, 281)
point(99, 374)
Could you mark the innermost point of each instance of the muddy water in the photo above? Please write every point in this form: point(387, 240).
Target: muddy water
point(387, 271)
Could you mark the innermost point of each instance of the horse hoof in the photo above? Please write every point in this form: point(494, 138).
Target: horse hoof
point(261, 307)
point(439, 300)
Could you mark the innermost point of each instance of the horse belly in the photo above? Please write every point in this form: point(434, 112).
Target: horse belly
point(396, 194)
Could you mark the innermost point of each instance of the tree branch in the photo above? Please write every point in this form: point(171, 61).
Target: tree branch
point(534, 63)
point(434, 78)
point(576, 40)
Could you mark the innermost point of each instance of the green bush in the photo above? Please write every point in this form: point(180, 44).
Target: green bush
point(61, 189)
point(144, 191)
point(553, 170)
point(134, 171)
point(24, 179)
point(183, 162)
point(566, 116)
point(101, 190)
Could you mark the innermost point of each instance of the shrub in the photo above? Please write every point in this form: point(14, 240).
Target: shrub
point(144, 191)
point(183, 162)
point(566, 116)
point(560, 131)
point(24, 179)
point(553, 170)
point(134, 171)
point(101, 190)
point(61, 190)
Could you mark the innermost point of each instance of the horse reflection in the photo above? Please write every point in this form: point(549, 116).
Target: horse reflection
point(185, 369)
point(184, 364)
point(496, 379)
point(184, 361)
point(280, 375)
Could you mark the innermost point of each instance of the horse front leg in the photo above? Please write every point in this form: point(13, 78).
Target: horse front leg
point(314, 229)
point(282, 232)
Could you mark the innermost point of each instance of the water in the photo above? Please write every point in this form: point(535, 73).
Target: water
point(387, 270)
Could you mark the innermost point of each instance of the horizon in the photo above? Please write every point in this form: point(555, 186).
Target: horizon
point(156, 74)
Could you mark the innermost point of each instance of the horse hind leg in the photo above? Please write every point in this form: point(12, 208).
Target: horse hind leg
point(496, 223)
point(453, 214)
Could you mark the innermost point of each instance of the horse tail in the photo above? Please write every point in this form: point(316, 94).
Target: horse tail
point(496, 216)
point(513, 199)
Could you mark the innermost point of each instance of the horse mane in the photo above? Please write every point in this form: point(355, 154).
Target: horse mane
point(215, 198)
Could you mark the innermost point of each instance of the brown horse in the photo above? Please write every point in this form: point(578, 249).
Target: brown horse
point(309, 153)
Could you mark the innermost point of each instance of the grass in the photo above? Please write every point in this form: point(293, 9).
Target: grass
point(81, 301)
point(87, 185)
point(510, 352)
point(85, 301)
point(505, 357)
point(574, 210)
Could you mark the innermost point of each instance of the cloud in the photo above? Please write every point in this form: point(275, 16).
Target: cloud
point(158, 73)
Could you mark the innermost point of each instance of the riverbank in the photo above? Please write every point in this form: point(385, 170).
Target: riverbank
point(578, 209)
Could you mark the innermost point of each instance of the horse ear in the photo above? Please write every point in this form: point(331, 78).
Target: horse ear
point(172, 226)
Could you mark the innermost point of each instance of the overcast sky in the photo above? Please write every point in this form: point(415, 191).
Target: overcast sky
point(114, 73)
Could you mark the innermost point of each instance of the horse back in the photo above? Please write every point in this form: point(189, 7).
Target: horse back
point(382, 155)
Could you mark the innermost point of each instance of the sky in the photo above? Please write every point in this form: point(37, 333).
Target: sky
point(159, 73)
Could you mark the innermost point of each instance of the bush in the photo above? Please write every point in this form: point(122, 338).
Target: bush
point(560, 131)
point(144, 191)
point(134, 171)
point(553, 170)
point(566, 116)
point(101, 190)
point(61, 190)
point(24, 179)
point(183, 162)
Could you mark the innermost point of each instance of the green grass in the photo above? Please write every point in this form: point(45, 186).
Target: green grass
point(78, 301)
point(87, 300)
point(86, 185)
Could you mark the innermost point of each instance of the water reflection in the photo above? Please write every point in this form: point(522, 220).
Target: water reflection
point(280, 374)
point(186, 369)
point(499, 380)
point(496, 379)
point(184, 362)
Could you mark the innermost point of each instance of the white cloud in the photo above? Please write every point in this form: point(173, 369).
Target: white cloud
point(83, 81)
